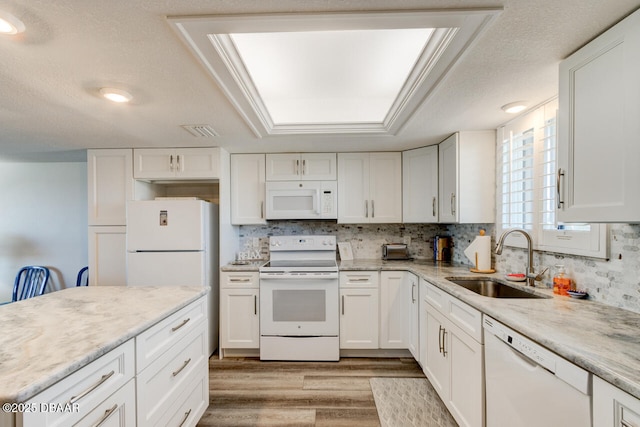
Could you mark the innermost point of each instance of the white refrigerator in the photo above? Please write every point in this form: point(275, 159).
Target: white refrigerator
point(173, 242)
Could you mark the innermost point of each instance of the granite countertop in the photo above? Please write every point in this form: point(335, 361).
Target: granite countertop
point(46, 338)
point(253, 265)
point(602, 339)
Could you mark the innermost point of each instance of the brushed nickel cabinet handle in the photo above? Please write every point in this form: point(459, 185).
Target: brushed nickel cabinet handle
point(444, 342)
point(106, 415)
point(433, 207)
point(178, 163)
point(413, 297)
point(234, 279)
point(261, 210)
point(185, 418)
point(343, 305)
point(184, 365)
point(453, 204)
point(255, 305)
point(366, 209)
point(184, 322)
point(373, 210)
point(304, 167)
point(297, 167)
point(91, 388)
point(558, 186)
point(440, 347)
point(171, 162)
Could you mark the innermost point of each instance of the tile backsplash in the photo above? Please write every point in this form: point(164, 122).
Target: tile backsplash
point(614, 282)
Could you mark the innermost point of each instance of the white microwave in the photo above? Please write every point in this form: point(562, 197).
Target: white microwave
point(302, 199)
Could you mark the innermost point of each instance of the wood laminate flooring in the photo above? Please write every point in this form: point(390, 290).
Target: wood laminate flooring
point(248, 392)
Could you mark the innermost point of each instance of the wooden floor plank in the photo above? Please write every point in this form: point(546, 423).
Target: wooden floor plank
point(250, 392)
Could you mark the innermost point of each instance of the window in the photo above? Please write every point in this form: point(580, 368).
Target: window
point(527, 188)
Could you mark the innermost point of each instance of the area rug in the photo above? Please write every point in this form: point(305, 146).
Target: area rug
point(404, 402)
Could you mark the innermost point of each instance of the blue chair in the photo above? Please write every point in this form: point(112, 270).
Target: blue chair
point(30, 281)
point(83, 277)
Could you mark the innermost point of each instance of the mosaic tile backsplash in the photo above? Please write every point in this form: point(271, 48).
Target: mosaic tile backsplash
point(614, 282)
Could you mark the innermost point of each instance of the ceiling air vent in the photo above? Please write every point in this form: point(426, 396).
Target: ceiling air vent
point(201, 131)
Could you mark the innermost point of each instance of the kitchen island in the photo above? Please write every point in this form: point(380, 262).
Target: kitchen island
point(46, 340)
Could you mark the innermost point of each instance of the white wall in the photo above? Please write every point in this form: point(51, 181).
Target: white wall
point(43, 221)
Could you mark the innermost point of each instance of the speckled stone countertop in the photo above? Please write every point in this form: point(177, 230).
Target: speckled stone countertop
point(46, 338)
point(602, 339)
point(243, 266)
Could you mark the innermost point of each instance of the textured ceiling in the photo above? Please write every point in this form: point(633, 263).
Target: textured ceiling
point(49, 77)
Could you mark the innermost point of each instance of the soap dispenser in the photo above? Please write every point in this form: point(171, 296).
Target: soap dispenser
point(561, 283)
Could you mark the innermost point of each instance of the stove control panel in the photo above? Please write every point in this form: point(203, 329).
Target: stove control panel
point(302, 243)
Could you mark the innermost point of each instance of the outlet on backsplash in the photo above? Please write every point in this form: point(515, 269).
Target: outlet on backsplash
point(406, 240)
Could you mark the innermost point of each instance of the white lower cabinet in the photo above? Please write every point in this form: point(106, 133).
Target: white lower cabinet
point(452, 359)
point(165, 382)
point(359, 309)
point(239, 310)
point(614, 407)
point(85, 390)
point(395, 310)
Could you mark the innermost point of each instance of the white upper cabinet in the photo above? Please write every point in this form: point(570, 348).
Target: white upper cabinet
point(301, 167)
point(369, 187)
point(420, 185)
point(466, 165)
point(248, 189)
point(176, 163)
point(598, 128)
point(111, 184)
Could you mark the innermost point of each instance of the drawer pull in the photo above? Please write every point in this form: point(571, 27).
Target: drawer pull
point(184, 322)
point(184, 365)
point(106, 415)
point(186, 417)
point(365, 279)
point(105, 377)
point(240, 280)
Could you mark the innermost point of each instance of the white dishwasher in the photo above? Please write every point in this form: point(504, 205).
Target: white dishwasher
point(529, 386)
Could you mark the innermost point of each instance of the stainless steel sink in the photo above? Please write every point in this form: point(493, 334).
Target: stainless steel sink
point(491, 288)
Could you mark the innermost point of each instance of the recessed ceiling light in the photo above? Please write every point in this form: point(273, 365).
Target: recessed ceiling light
point(514, 107)
point(9, 24)
point(116, 95)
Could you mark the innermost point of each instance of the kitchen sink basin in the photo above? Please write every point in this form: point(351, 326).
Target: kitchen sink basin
point(491, 288)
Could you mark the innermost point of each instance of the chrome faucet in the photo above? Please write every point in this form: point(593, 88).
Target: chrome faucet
point(531, 276)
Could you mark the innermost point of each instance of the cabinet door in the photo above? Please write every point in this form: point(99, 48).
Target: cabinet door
point(466, 392)
point(353, 188)
point(414, 323)
point(420, 185)
point(318, 166)
point(110, 179)
point(359, 318)
point(448, 179)
point(394, 309)
point(283, 167)
point(198, 163)
point(385, 187)
point(248, 189)
point(436, 364)
point(107, 256)
point(154, 163)
point(598, 128)
point(239, 318)
point(614, 407)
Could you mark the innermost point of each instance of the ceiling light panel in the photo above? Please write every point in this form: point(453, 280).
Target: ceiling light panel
point(330, 76)
point(333, 73)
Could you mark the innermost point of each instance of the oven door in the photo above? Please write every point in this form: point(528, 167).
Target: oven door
point(299, 307)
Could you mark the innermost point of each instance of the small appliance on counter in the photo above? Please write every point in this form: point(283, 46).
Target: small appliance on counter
point(395, 251)
point(442, 248)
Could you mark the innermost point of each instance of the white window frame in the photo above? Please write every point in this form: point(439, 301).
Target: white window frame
point(592, 243)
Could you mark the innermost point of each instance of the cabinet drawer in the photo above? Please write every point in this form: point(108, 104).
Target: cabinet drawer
point(84, 389)
point(466, 318)
point(158, 338)
point(249, 279)
point(119, 410)
point(436, 297)
point(359, 279)
point(190, 405)
point(160, 384)
point(461, 314)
